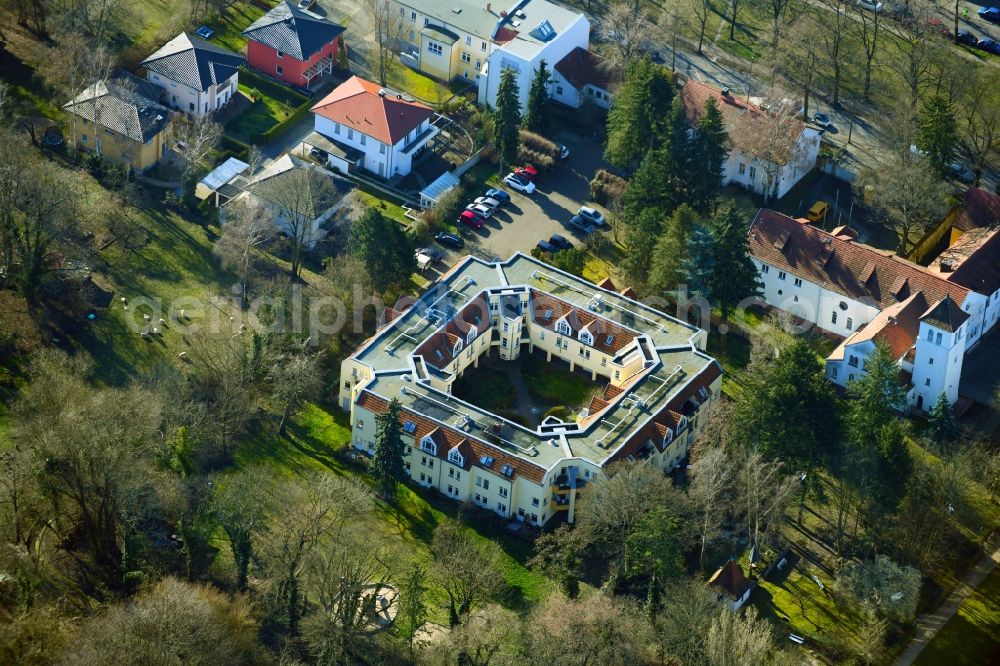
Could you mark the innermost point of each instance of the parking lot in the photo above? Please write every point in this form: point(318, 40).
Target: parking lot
point(519, 225)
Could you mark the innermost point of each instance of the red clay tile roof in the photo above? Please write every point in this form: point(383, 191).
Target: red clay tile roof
point(580, 67)
point(980, 209)
point(695, 94)
point(356, 104)
point(504, 35)
point(600, 328)
point(896, 325)
point(845, 266)
point(438, 349)
point(606, 283)
point(448, 438)
point(980, 271)
point(730, 578)
point(628, 292)
point(946, 315)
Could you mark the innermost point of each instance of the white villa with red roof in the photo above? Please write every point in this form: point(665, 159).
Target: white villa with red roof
point(929, 317)
point(377, 130)
point(653, 376)
point(769, 166)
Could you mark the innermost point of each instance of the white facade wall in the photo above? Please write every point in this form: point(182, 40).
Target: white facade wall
point(577, 34)
point(937, 366)
point(853, 365)
point(563, 92)
point(827, 309)
point(753, 173)
point(380, 158)
point(195, 102)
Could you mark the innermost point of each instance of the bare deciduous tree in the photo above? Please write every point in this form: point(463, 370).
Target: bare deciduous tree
point(736, 639)
point(836, 23)
point(916, 45)
point(306, 193)
point(464, 567)
point(867, 27)
point(712, 477)
point(764, 491)
point(770, 138)
point(240, 502)
point(246, 229)
point(194, 140)
point(702, 10)
point(979, 108)
point(388, 27)
point(631, 33)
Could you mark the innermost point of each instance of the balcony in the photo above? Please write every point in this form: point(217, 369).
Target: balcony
point(559, 503)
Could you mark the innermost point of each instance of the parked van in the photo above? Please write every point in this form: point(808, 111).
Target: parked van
point(818, 211)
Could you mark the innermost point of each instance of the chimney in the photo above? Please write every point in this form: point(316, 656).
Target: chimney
point(489, 7)
point(892, 319)
point(503, 13)
point(381, 92)
point(399, 96)
point(725, 91)
point(946, 266)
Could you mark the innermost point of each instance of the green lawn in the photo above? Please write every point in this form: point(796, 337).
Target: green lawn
point(416, 84)
point(552, 384)
point(231, 23)
point(970, 637)
point(488, 388)
point(408, 522)
point(264, 113)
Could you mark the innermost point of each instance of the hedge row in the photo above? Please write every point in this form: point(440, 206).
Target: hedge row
point(271, 88)
point(301, 112)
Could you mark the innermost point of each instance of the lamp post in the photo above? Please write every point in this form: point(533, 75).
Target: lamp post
point(750, 78)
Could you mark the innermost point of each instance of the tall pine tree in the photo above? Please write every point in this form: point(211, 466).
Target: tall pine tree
point(641, 232)
point(708, 157)
point(647, 187)
point(735, 276)
point(666, 269)
point(938, 133)
point(699, 264)
point(536, 116)
point(637, 121)
point(942, 428)
point(387, 465)
point(507, 119)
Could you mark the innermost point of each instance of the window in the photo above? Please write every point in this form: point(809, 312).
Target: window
point(930, 336)
point(429, 445)
point(833, 372)
point(336, 128)
point(479, 498)
point(850, 324)
point(534, 501)
point(468, 40)
point(796, 298)
point(413, 16)
point(764, 268)
point(563, 327)
point(618, 374)
point(482, 46)
point(798, 282)
point(604, 361)
point(781, 275)
point(190, 106)
point(937, 338)
point(361, 423)
point(278, 70)
point(451, 470)
point(350, 134)
point(506, 326)
point(833, 318)
point(479, 65)
point(850, 377)
point(927, 382)
point(503, 343)
point(364, 139)
point(435, 48)
point(853, 361)
point(930, 361)
point(455, 457)
point(502, 507)
point(451, 489)
point(482, 483)
point(280, 54)
point(466, 57)
point(743, 168)
point(541, 335)
point(381, 148)
point(503, 492)
point(753, 172)
point(83, 138)
point(422, 477)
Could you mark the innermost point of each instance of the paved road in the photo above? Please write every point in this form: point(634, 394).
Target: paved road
point(929, 624)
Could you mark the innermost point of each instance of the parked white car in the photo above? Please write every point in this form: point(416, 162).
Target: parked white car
point(487, 201)
point(480, 210)
point(870, 5)
point(519, 184)
point(592, 216)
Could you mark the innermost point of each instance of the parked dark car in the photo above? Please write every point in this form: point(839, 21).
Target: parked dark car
point(991, 14)
point(989, 45)
point(967, 38)
point(449, 240)
point(579, 225)
point(546, 246)
point(560, 242)
point(499, 195)
point(319, 155)
point(435, 254)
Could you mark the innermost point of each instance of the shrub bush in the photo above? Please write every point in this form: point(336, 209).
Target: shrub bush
point(540, 161)
point(448, 208)
point(606, 188)
point(559, 411)
point(539, 144)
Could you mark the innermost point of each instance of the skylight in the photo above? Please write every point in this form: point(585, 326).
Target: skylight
point(543, 31)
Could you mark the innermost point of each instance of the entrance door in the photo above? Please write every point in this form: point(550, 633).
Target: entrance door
point(920, 402)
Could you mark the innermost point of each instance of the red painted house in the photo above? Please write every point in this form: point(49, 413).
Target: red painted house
point(293, 45)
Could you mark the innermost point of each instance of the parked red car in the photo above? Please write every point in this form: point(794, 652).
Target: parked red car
point(470, 219)
point(527, 171)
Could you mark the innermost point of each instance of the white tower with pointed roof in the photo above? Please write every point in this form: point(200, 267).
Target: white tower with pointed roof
point(937, 366)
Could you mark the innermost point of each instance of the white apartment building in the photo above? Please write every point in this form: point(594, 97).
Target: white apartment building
point(197, 77)
point(771, 172)
point(381, 131)
point(655, 377)
point(473, 40)
point(928, 316)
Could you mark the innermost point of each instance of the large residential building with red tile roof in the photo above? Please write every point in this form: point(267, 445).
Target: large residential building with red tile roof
point(652, 381)
point(928, 316)
point(381, 130)
point(768, 153)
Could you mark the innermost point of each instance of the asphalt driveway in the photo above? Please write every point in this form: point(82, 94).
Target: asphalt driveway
point(531, 218)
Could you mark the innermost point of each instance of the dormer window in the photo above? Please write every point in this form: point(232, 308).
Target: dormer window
point(668, 437)
point(458, 347)
point(429, 445)
point(456, 458)
point(562, 326)
point(586, 338)
point(471, 335)
point(682, 424)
